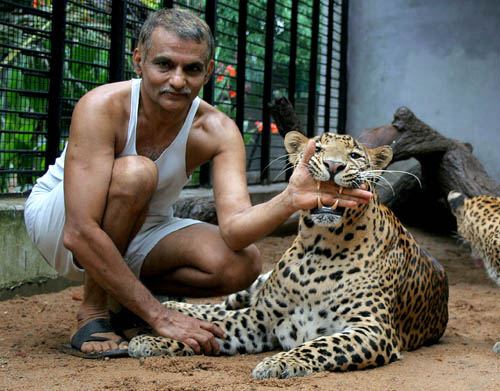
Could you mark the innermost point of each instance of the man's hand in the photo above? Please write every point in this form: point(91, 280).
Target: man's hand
point(303, 189)
point(198, 334)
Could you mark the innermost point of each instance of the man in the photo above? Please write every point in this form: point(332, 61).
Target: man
point(105, 207)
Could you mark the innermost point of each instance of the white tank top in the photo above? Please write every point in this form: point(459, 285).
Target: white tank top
point(171, 164)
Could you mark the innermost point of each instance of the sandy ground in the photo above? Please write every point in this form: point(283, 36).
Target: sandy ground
point(33, 328)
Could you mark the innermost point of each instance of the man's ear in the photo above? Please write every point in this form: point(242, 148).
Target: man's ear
point(295, 142)
point(210, 69)
point(136, 61)
point(380, 157)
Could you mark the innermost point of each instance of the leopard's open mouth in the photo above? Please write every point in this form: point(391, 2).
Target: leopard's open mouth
point(327, 217)
point(325, 210)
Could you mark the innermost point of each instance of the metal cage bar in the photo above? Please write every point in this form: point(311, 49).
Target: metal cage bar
point(329, 60)
point(56, 81)
point(208, 90)
point(342, 111)
point(313, 71)
point(241, 63)
point(292, 82)
point(267, 96)
point(117, 48)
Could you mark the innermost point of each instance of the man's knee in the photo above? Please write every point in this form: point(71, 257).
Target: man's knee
point(239, 274)
point(134, 180)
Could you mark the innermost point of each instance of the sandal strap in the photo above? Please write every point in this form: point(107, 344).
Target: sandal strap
point(85, 333)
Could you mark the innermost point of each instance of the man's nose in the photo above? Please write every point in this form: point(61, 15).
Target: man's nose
point(178, 79)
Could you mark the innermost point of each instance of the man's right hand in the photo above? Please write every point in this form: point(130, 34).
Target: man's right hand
point(198, 334)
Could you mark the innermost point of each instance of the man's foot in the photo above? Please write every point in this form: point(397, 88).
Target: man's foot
point(97, 339)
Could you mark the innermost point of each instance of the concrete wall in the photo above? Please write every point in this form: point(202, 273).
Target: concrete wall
point(20, 262)
point(441, 58)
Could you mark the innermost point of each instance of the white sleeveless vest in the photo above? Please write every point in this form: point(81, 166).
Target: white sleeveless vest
point(171, 164)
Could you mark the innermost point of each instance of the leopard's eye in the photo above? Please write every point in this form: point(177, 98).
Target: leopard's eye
point(355, 155)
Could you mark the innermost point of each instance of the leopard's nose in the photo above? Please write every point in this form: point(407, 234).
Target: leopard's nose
point(334, 167)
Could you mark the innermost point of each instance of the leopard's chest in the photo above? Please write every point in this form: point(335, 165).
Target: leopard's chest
point(304, 299)
point(306, 323)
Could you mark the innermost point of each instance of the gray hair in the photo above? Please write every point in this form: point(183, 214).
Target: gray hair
point(183, 23)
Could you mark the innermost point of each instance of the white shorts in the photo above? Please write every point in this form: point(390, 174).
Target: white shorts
point(44, 219)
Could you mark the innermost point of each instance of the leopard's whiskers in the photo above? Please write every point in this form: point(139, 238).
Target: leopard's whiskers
point(288, 166)
point(279, 158)
point(398, 172)
point(374, 177)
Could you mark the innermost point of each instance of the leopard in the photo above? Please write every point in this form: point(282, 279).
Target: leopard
point(352, 291)
point(478, 224)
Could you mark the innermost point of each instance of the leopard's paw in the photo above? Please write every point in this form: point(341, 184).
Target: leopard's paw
point(280, 367)
point(148, 345)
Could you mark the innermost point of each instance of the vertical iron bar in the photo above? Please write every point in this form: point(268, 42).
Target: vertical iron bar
point(292, 75)
point(329, 55)
point(117, 49)
point(266, 99)
point(342, 110)
point(208, 90)
point(313, 70)
point(241, 64)
point(57, 37)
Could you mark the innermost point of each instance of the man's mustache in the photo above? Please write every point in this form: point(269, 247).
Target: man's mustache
point(183, 91)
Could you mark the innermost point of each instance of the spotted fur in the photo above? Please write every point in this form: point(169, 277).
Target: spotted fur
point(478, 223)
point(351, 292)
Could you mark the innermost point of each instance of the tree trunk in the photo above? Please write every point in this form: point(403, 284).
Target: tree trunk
point(447, 164)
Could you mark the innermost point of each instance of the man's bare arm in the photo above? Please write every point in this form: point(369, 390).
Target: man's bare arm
point(242, 224)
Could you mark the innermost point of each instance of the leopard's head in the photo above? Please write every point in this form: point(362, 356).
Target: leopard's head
point(340, 159)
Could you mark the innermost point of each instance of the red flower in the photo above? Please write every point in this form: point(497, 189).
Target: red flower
point(232, 94)
point(260, 127)
point(220, 79)
point(231, 70)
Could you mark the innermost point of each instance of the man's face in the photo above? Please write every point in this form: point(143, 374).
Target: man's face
point(174, 70)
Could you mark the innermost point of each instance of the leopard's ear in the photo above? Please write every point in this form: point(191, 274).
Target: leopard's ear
point(380, 157)
point(456, 200)
point(295, 143)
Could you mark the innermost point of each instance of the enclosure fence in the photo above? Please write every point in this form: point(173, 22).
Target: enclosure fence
point(53, 51)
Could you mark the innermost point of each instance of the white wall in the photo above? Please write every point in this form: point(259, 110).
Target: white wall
point(441, 58)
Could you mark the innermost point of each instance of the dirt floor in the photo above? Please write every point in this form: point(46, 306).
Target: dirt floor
point(33, 328)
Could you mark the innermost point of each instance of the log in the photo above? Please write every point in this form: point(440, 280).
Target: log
point(198, 208)
point(285, 116)
point(447, 164)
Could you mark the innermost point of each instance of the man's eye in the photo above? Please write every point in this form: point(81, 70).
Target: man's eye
point(194, 69)
point(355, 155)
point(163, 64)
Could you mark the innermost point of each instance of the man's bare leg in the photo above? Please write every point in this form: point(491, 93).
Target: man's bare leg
point(132, 184)
point(196, 262)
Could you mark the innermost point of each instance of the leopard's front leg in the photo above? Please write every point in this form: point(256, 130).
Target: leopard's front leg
point(354, 348)
point(245, 332)
point(243, 299)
